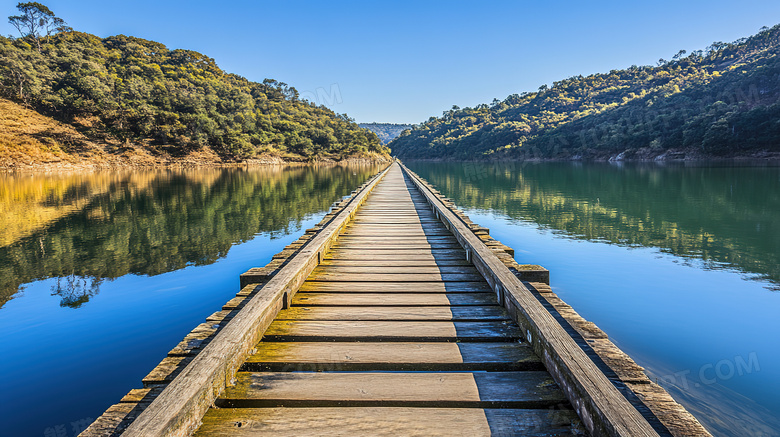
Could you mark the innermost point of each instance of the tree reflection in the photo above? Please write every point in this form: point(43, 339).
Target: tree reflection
point(725, 216)
point(109, 224)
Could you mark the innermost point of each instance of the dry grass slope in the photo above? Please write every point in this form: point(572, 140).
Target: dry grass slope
point(31, 141)
point(28, 138)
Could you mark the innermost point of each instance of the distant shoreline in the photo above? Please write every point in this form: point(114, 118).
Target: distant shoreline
point(672, 157)
point(56, 167)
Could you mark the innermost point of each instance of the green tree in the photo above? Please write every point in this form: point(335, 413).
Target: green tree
point(722, 101)
point(36, 20)
point(135, 91)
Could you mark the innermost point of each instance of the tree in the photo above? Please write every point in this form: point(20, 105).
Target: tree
point(35, 21)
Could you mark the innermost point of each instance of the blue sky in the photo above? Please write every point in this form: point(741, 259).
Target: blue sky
point(405, 61)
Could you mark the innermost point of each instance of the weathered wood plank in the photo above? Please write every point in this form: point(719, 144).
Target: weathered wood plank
point(395, 287)
point(420, 244)
point(325, 275)
point(389, 255)
point(461, 314)
point(386, 222)
point(114, 420)
point(395, 422)
point(397, 262)
point(387, 231)
point(372, 330)
point(390, 299)
point(388, 421)
point(138, 395)
point(401, 356)
point(393, 270)
point(164, 373)
point(408, 253)
point(396, 239)
point(529, 389)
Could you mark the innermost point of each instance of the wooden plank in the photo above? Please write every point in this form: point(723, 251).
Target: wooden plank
point(394, 230)
point(381, 216)
point(363, 218)
point(395, 287)
point(408, 231)
point(424, 225)
point(393, 270)
point(604, 409)
point(401, 356)
point(388, 421)
point(399, 232)
point(397, 262)
point(408, 212)
point(389, 255)
point(422, 244)
point(386, 244)
point(138, 395)
point(324, 275)
point(363, 330)
point(396, 239)
point(425, 236)
point(397, 220)
point(114, 420)
point(394, 313)
point(392, 299)
point(462, 389)
point(164, 373)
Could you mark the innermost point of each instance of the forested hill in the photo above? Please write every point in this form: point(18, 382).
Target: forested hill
point(723, 101)
point(131, 92)
point(386, 131)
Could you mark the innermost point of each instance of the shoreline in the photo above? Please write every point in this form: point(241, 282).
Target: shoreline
point(775, 159)
point(87, 166)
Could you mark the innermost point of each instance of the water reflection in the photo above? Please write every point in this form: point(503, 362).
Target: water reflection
point(724, 216)
point(680, 314)
point(88, 228)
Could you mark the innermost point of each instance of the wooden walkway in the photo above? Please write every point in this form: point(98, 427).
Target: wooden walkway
point(394, 333)
point(396, 315)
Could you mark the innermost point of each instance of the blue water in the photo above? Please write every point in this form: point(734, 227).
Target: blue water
point(64, 365)
point(680, 276)
point(680, 266)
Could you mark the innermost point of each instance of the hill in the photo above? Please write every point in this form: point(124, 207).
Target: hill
point(721, 102)
point(386, 131)
point(29, 140)
point(130, 93)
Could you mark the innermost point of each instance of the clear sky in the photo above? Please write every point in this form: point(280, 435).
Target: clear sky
point(404, 61)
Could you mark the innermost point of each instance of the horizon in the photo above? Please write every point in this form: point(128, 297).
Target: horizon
point(358, 66)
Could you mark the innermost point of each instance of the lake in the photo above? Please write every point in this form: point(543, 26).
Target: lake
point(102, 274)
point(679, 264)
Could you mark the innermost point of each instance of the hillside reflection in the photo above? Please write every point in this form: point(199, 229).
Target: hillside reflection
point(726, 216)
point(83, 229)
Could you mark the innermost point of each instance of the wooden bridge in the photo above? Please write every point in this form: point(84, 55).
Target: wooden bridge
point(396, 316)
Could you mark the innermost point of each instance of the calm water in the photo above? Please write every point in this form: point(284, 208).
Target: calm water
point(680, 265)
point(102, 274)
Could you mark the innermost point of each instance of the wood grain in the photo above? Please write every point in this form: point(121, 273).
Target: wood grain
point(529, 389)
point(387, 421)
